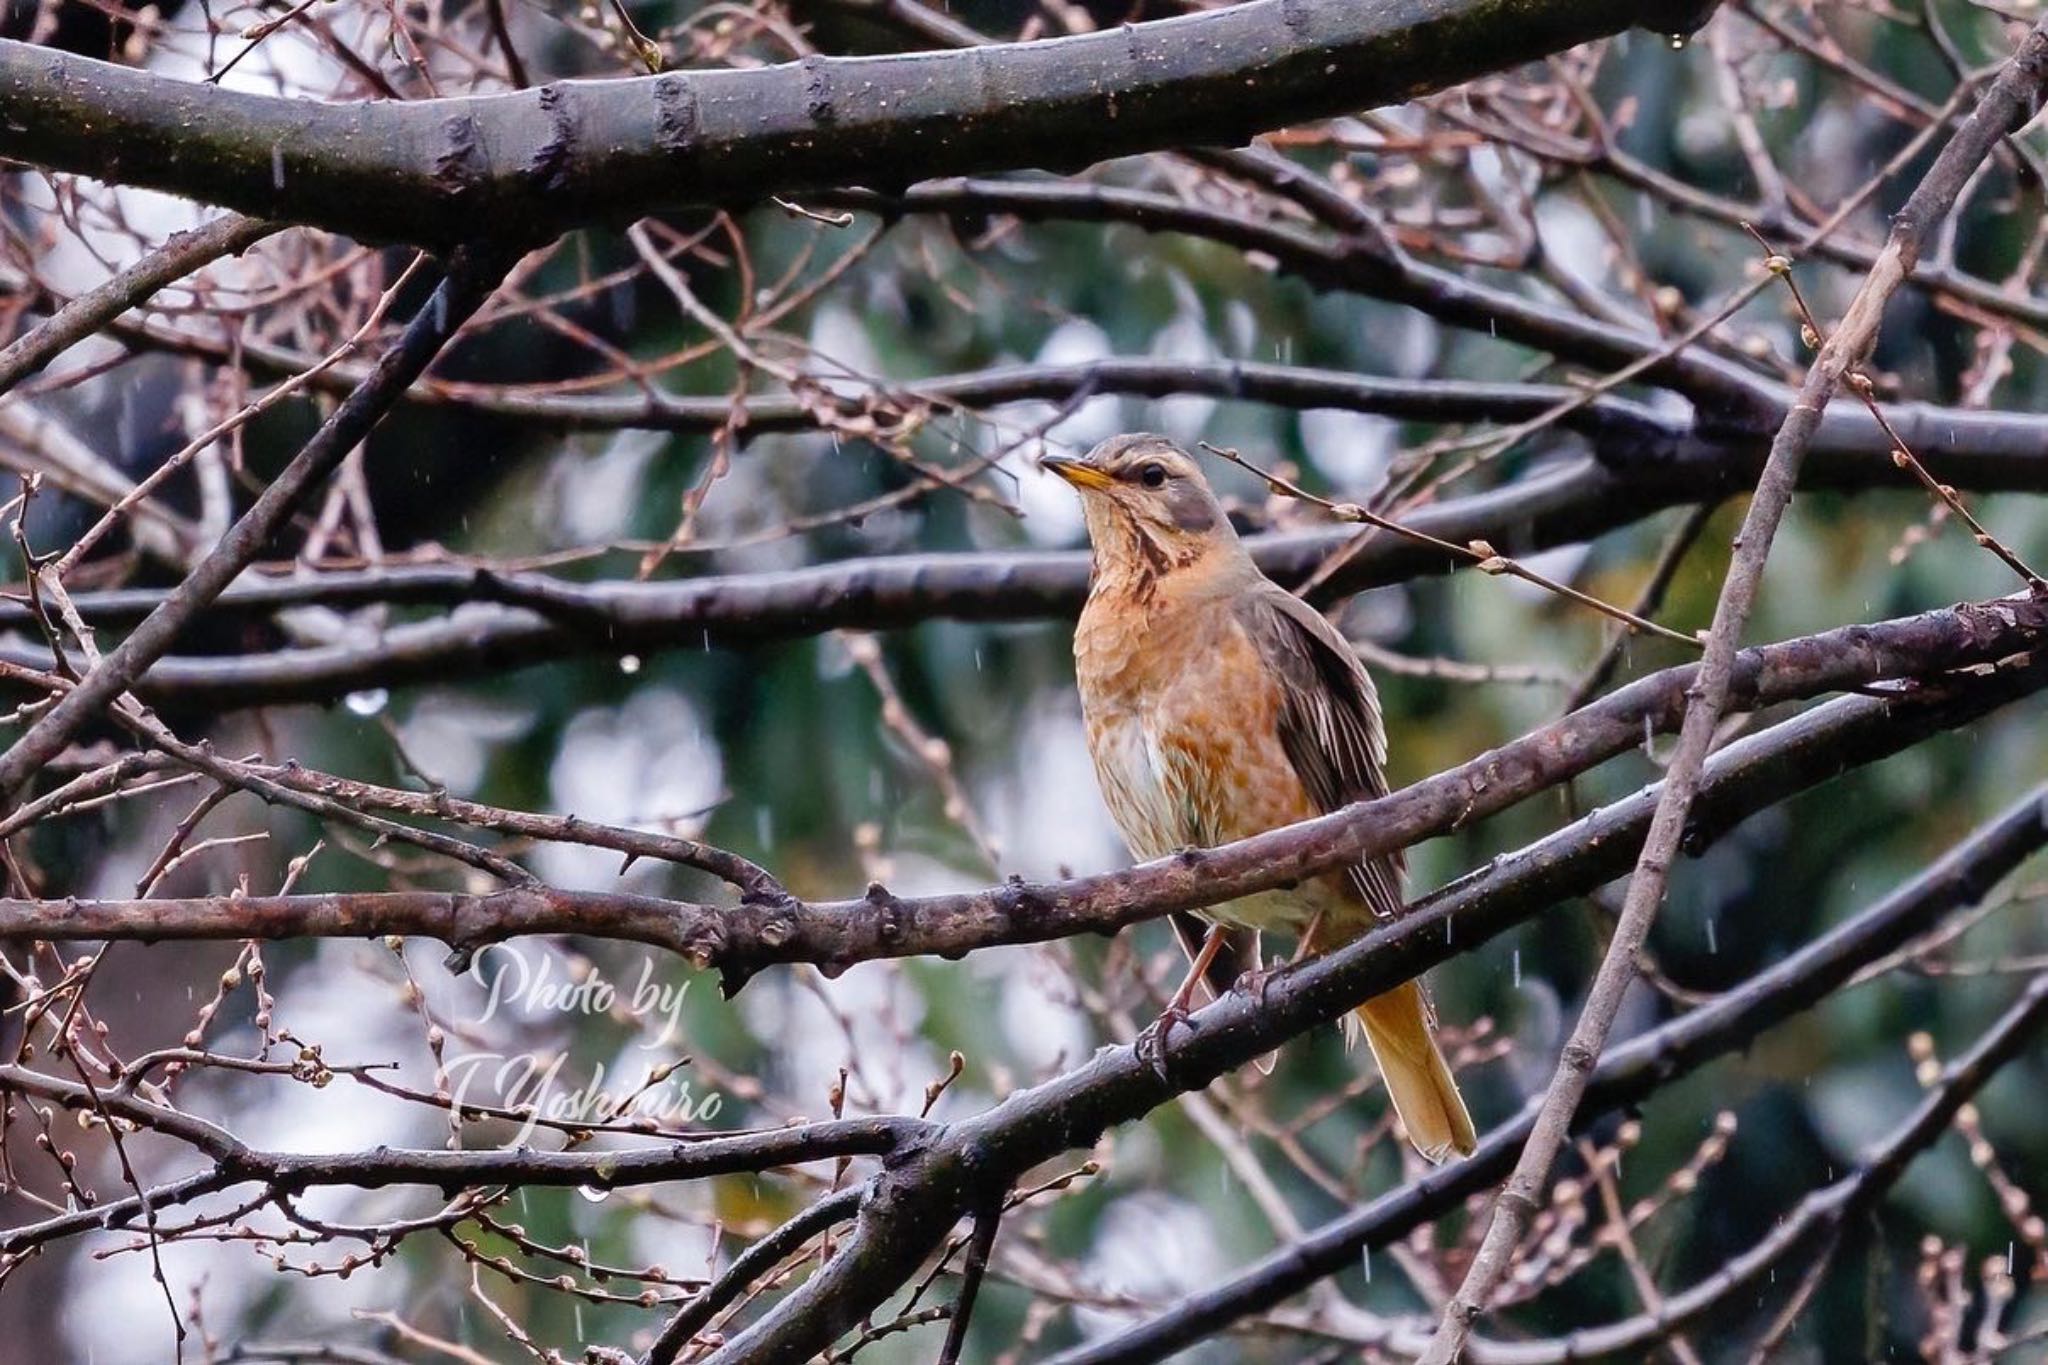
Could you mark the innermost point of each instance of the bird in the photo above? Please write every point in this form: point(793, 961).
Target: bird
point(1217, 706)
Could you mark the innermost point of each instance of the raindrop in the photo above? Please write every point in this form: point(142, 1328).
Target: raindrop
point(1518, 969)
point(578, 1315)
point(1713, 943)
point(707, 639)
point(367, 702)
point(276, 166)
point(2008, 1258)
point(124, 418)
point(1365, 1260)
point(593, 1194)
point(629, 664)
point(1493, 327)
point(977, 661)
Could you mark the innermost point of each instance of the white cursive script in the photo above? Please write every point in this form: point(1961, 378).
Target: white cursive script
point(537, 1090)
point(546, 988)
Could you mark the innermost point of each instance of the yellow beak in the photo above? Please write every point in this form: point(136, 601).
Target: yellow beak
point(1079, 473)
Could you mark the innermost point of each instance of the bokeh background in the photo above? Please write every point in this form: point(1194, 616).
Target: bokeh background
point(946, 755)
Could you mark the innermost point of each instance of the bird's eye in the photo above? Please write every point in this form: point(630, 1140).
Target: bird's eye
point(1152, 475)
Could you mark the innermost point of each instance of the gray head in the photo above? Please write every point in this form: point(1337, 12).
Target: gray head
point(1150, 512)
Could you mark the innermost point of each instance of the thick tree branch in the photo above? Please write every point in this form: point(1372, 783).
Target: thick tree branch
point(1628, 1074)
point(742, 940)
point(2009, 101)
point(548, 618)
point(912, 1203)
point(533, 163)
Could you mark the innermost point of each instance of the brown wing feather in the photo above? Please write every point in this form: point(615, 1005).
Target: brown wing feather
point(1329, 720)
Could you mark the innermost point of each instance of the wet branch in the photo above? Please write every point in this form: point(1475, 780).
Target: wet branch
point(771, 929)
point(2006, 104)
point(914, 1202)
point(531, 164)
point(1627, 1075)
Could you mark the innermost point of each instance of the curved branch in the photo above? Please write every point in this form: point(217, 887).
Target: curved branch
point(1627, 1075)
point(742, 940)
point(235, 1162)
point(546, 618)
point(1420, 400)
point(913, 1202)
point(533, 163)
point(1733, 394)
point(747, 1267)
point(470, 279)
point(184, 253)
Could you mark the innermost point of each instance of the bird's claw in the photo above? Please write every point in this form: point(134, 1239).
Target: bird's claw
point(1152, 1043)
point(1254, 982)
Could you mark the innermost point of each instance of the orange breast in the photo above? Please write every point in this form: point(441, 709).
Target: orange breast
point(1183, 725)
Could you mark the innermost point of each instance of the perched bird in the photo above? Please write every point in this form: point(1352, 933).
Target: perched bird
point(1219, 706)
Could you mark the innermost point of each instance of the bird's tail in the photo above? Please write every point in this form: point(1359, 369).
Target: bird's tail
point(1425, 1094)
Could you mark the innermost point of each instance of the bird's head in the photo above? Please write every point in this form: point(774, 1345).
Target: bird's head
point(1150, 512)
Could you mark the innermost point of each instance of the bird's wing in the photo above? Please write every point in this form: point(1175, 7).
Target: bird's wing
point(1329, 721)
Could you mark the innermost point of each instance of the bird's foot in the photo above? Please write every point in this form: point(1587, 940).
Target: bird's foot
point(1254, 981)
point(1152, 1043)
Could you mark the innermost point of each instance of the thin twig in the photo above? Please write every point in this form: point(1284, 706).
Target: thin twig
point(469, 282)
point(1902, 454)
point(1479, 553)
point(2010, 99)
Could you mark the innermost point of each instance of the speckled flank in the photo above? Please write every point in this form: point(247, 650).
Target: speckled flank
point(1183, 722)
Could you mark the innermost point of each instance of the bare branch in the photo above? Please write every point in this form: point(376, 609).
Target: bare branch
point(741, 940)
point(530, 164)
point(2011, 99)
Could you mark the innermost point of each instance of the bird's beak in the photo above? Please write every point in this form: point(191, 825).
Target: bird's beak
point(1079, 473)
